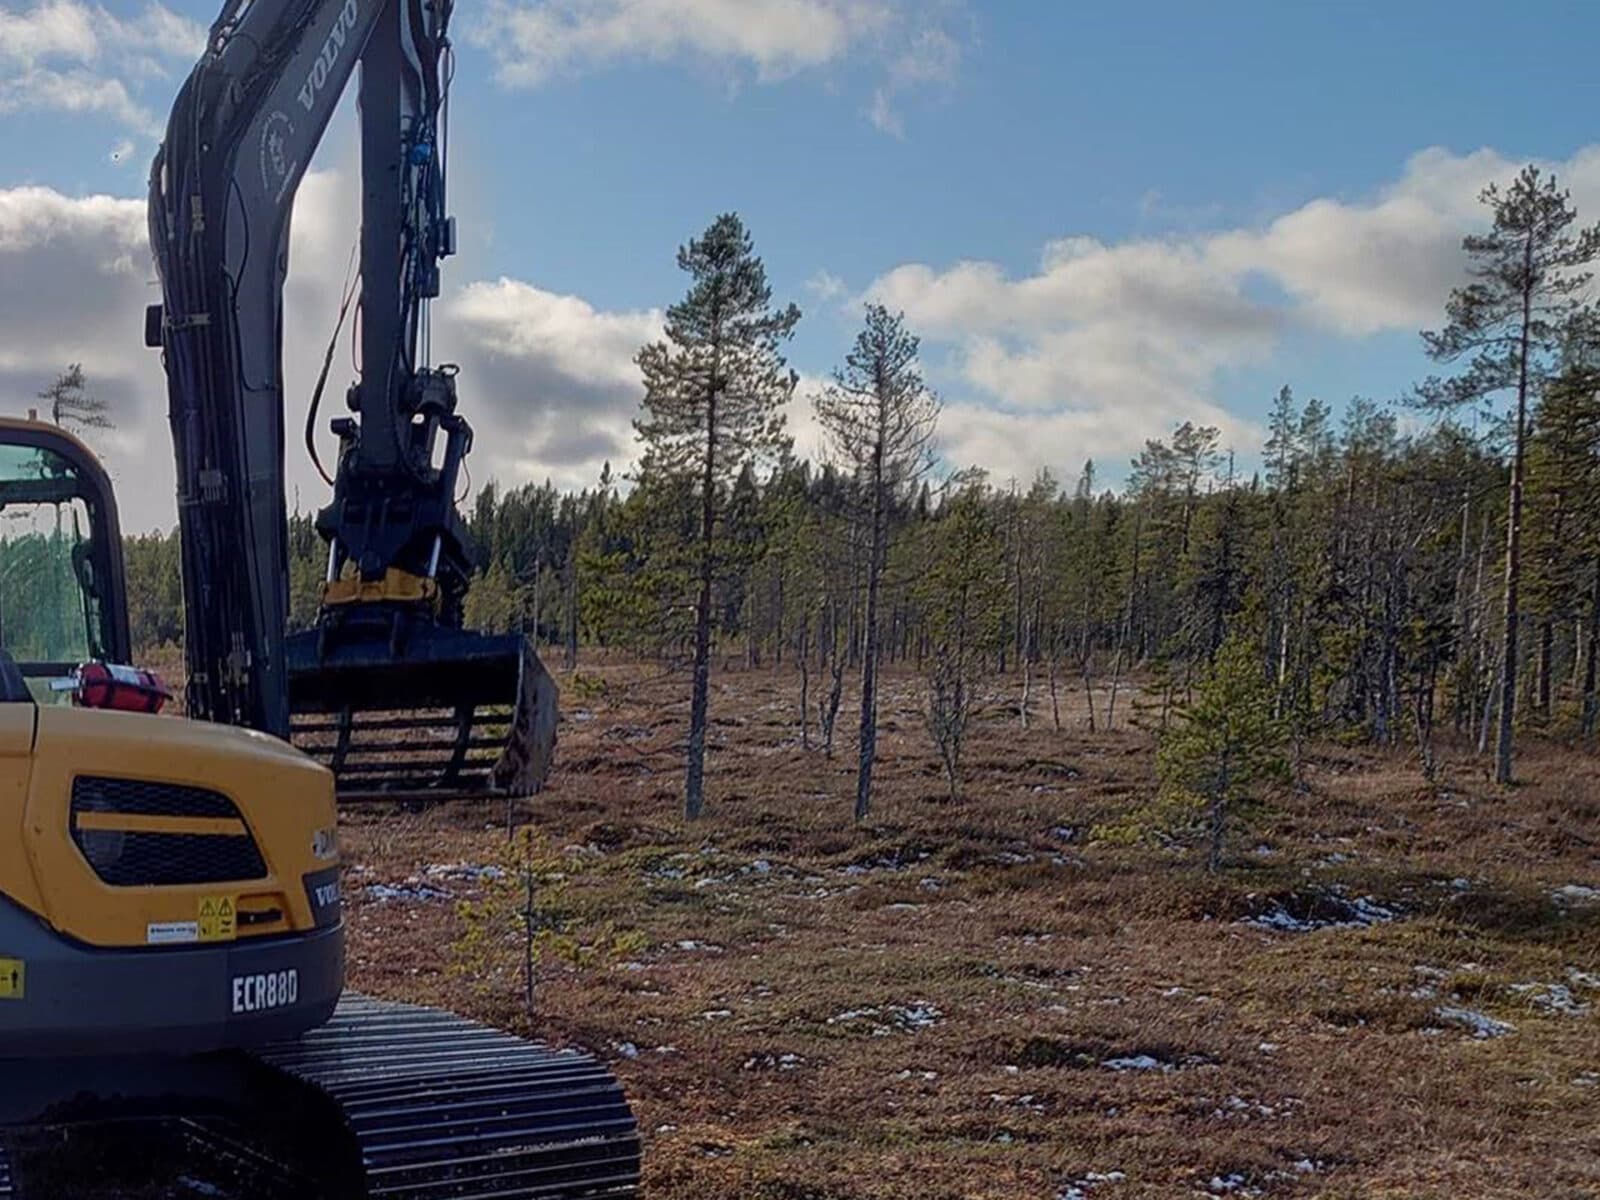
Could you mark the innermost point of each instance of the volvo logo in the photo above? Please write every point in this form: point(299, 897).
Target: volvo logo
point(332, 48)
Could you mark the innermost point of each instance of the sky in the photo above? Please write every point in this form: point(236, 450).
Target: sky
point(1102, 220)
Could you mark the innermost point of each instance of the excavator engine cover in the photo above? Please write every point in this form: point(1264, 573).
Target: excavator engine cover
point(438, 714)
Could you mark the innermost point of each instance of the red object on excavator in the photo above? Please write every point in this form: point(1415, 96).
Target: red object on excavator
point(125, 689)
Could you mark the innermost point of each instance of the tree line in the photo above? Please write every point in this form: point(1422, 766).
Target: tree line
point(1393, 572)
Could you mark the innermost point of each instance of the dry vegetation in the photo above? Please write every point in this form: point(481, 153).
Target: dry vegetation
point(938, 1004)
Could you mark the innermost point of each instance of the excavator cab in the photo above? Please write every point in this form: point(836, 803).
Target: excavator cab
point(62, 599)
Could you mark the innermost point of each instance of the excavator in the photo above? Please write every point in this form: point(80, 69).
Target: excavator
point(173, 1018)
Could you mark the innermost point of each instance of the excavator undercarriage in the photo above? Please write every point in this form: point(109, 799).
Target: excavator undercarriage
point(386, 1100)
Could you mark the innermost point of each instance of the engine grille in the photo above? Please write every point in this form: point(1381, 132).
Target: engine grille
point(141, 798)
point(142, 857)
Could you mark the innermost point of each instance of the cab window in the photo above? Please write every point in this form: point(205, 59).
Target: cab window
point(50, 614)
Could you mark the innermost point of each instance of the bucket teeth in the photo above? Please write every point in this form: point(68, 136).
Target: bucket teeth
point(453, 714)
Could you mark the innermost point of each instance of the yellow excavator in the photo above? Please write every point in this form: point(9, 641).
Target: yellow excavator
point(172, 1013)
point(172, 1020)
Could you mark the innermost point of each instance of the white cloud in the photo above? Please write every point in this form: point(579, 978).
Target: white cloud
point(1103, 346)
point(72, 57)
point(534, 41)
point(932, 58)
point(547, 380)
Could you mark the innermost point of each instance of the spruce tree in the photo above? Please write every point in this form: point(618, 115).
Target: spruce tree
point(715, 395)
point(1508, 326)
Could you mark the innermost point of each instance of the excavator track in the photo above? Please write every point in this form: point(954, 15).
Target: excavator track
point(441, 1107)
point(384, 1102)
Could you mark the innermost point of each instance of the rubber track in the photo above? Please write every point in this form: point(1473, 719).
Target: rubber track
point(442, 1107)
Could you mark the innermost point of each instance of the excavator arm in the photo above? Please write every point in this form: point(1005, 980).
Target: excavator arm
point(388, 662)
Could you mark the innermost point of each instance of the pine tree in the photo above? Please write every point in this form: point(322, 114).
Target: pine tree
point(1224, 751)
point(880, 418)
point(715, 394)
point(1509, 325)
point(72, 406)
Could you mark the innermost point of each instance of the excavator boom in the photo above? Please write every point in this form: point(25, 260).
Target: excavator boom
point(388, 688)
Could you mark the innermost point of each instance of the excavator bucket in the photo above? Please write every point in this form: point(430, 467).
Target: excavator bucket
point(450, 714)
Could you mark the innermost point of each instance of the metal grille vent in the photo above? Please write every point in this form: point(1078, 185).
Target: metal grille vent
point(138, 856)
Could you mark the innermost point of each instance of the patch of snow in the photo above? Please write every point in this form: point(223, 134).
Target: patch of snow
point(895, 1018)
point(708, 947)
point(1137, 1062)
point(774, 1062)
point(1576, 895)
point(1269, 1047)
point(1010, 858)
point(1551, 998)
point(626, 1049)
point(199, 1187)
point(928, 1076)
point(1233, 1184)
point(404, 893)
point(716, 1014)
point(1328, 910)
point(1482, 1026)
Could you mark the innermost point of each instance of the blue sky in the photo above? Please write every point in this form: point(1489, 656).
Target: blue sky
point(1103, 219)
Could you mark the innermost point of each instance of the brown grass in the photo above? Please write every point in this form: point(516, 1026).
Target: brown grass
point(1291, 1064)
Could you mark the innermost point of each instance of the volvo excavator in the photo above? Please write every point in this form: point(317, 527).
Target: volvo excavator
point(173, 1019)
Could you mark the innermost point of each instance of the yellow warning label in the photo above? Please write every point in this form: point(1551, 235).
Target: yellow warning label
point(219, 918)
point(13, 978)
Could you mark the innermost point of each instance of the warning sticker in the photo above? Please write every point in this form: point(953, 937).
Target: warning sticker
point(218, 918)
point(166, 933)
point(13, 978)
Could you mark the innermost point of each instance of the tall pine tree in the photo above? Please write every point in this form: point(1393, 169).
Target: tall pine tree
point(715, 393)
point(880, 417)
point(1508, 326)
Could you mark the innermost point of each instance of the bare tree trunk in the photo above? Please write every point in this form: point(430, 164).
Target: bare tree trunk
point(830, 703)
point(1088, 688)
point(1491, 694)
point(694, 794)
point(1591, 709)
point(1519, 455)
point(804, 660)
point(1027, 687)
point(1125, 626)
point(572, 615)
point(1547, 653)
point(869, 660)
point(1055, 696)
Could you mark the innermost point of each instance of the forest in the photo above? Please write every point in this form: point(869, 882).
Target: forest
point(1429, 563)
